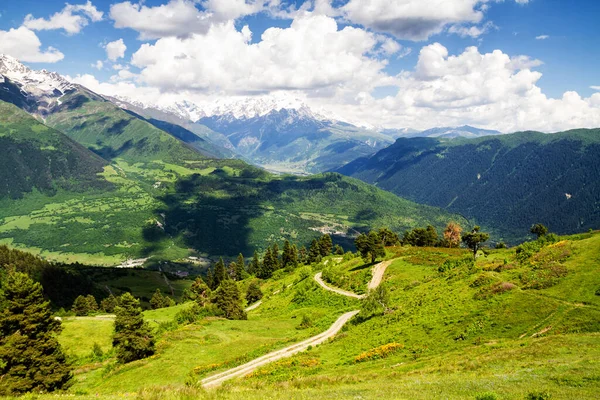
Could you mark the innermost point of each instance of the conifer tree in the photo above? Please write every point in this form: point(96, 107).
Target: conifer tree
point(276, 263)
point(369, 246)
point(200, 292)
point(254, 265)
point(31, 359)
point(209, 278)
point(253, 293)
point(81, 306)
point(240, 265)
point(325, 245)
point(132, 338)
point(229, 300)
point(314, 253)
point(303, 255)
point(219, 274)
point(338, 250)
point(266, 268)
point(158, 300)
point(108, 304)
point(92, 304)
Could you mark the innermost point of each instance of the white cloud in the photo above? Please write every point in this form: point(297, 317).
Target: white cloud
point(490, 90)
point(98, 65)
point(473, 31)
point(412, 19)
point(311, 54)
point(182, 17)
point(595, 87)
point(542, 37)
point(337, 70)
point(23, 44)
point(71, 19)
point(115, 50)
point(419, 19)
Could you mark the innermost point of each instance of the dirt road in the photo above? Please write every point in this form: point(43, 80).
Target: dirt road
point(319, 279)
point(218, 379)
point(378, 272)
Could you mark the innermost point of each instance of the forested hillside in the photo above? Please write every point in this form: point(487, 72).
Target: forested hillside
point(153, 195)
point(506, 182)
point(36, 157)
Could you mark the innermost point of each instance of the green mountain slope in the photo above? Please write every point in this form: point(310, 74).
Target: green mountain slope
point(113, 133)
point(36, 157)
point(507, 182)
point(507, 326)
point(159, 197)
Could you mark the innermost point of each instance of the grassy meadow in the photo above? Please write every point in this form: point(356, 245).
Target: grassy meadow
point(505, 327)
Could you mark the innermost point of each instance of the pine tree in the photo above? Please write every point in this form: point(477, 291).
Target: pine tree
point(132, 338)
point(266, 268)
point(241, 267)
point(369, 246)
point(253, 294)
point(254, 266)
point(338, 250)
point(158, 300)
point(210, 278)
point(229, 301)
point(108, 304)
point(286, 255)
point(92, 304)
point(200, 292)
point(294, 257)
point(31, 359)
point(314, 253)
point(219, 274)
point(81, 306)
point(325, 245)
point(276, 263)
point(302, 255)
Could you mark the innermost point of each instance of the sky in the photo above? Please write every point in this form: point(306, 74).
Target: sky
point(501, 64)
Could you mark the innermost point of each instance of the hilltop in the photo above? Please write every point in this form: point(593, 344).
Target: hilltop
point(506, 182)
point(505, 326)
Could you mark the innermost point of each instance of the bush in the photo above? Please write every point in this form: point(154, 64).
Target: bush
point(379, 352)
point(545, 395)
point(305, 323)
point(304, 272)
point(486, 396)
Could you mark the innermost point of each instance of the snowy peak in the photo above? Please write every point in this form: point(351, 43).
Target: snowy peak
point(41, 82)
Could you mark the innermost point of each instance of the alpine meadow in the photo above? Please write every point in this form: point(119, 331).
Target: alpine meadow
point(299, 199)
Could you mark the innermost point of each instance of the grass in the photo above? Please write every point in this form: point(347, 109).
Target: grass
point(448, 341)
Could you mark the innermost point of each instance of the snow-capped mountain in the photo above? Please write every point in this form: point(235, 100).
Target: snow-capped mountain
point(239, 108)
point(37, 83)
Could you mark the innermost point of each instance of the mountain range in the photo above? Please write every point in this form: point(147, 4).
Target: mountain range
point(506, 182)
point(114, 184)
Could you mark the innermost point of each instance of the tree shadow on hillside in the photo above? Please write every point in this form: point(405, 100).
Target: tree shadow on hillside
point(213, 213)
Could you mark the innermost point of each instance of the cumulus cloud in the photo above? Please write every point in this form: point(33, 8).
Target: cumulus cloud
point(72, 18)
point(98, 65)
point(339, 69)
point(490, 90)
point(311, 54)
point(115, 50)
point(419, 19)
point(182, 17)
point(595, 87)
point(23, 44)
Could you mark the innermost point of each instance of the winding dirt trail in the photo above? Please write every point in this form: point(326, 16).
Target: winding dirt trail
point(319, 279)
point(218, 379)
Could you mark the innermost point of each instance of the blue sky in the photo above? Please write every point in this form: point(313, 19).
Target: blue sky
point(568, 55)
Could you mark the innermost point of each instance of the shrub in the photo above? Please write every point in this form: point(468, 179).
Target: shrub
point(486, 396)
point(545, 395)
point(305, 323)
point(379, 352)
point(304, 272)
point(484, 279)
